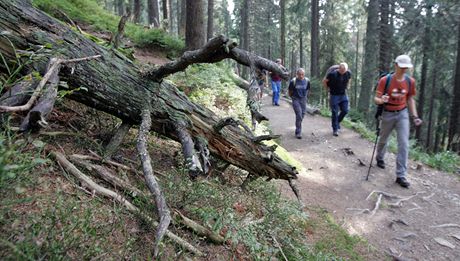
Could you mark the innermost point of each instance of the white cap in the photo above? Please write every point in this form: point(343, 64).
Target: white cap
point(404, 61)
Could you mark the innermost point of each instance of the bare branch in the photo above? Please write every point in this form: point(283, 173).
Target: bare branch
point(217, 49)
point(55, 66)
point(163, 210)
point(111, 194)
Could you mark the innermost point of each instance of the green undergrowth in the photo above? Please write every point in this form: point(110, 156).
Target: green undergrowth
point(46, 214)
point(214, 87)
point(91, 13)
point(446, 161)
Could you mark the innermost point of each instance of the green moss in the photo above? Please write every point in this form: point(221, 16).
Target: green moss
point(91, 13)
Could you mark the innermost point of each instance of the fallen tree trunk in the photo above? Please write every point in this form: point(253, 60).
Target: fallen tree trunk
point(115, 85)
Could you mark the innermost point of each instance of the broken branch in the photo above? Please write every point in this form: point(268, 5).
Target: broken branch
point(163, 211)
point(111, 194)
point(55, 65)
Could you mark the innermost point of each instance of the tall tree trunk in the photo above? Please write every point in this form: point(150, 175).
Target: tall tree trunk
point(137, 11)
point(269, 38)
point(227, 18)
point(172, 16)
point(454, 126)
point(426, 50)
point(370, 57)
point(314, 63)
point(429, 133)
point(385, 37)
point(153, 13)
point(355, 81)
point(194, 32)
point(121, 7)
point(283, 30)
point(245, 32)
point(182, 16)
point(301, 54)
point(210, 32)
point(165, 6)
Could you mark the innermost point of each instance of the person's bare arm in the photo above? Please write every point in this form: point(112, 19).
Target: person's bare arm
point(325, 81)
point(413, 111)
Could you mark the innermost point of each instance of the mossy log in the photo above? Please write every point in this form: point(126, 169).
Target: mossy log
point(116, 85)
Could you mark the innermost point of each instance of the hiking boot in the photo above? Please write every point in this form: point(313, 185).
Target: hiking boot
point(381, 164)
point(298, 136)
point(335, 133)
point(403, 182)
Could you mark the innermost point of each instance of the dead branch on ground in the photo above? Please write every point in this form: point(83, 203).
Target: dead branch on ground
point(87, 181)
point(152, 184)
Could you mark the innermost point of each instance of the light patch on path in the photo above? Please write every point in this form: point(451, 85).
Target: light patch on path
point(334, 181)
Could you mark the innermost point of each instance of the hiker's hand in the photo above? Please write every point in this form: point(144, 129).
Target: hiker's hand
point(417, 121)
point(385, 98)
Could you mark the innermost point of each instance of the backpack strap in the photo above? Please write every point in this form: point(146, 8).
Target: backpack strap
point(408, 81)
point(387, 83)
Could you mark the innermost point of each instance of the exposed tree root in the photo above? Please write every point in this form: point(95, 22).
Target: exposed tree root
point(295, 189)
point(192, 160)
point(250, 177)
point(106, 175)
point(88, 182)
point(377, 205)
point(99, 158)
point(199, 229)
point(117, 139)
point(381, 194)
point(445, 225)
point(261, 138)
point(163, 210)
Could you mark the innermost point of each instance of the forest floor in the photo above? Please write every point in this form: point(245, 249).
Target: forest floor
point(425, 225)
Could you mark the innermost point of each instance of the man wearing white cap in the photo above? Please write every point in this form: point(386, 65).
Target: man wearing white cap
point(395, 92)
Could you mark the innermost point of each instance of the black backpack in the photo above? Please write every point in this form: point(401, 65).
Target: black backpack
point(387, 84)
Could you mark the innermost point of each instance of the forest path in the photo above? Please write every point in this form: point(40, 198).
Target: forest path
point(426, 225)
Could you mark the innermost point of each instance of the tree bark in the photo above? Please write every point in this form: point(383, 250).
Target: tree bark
point(182, 16)
point(153, 13)
point(116, 85)
point(454, 119)
point(165, 9)
point(385, 37)
point(283, 31)
point(245, 32)
point(370, 57)
point(137, 11)
point(426, 49)
point(194, 31)
point(210, 31)
point(314, 69)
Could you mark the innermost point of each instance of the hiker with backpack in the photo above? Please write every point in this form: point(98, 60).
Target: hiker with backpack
point(276, 85)
point(337, 82)
point(298, 91)
point(395, 92)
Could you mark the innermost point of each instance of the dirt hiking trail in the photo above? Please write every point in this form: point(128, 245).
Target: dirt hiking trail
point(419, 223)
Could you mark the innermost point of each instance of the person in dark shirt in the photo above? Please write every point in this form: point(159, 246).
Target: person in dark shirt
point(337, 82)
point(298, 91)
point(276, 85)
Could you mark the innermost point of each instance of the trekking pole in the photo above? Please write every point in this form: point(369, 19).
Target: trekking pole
point(375, 145)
